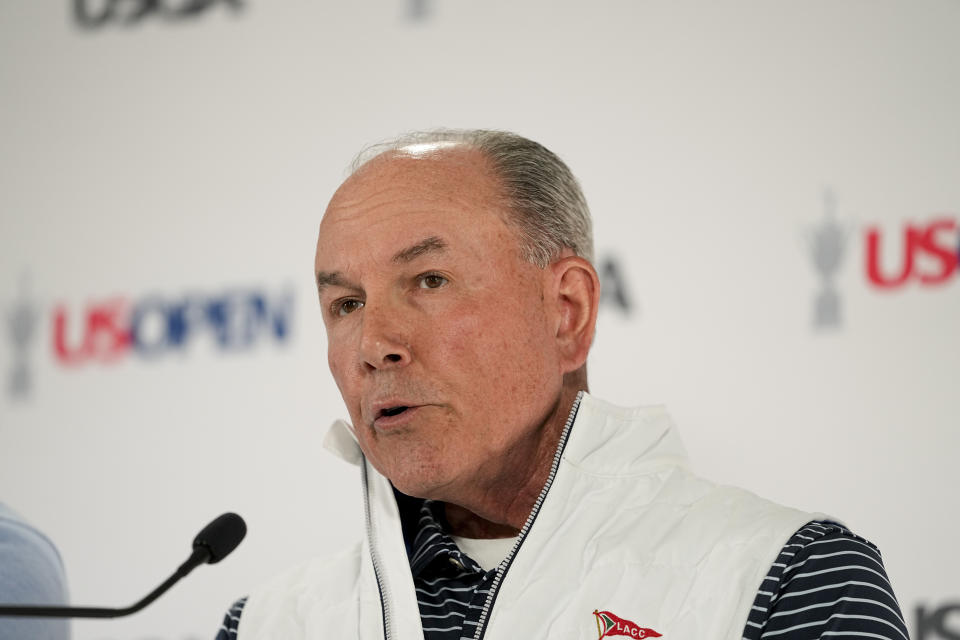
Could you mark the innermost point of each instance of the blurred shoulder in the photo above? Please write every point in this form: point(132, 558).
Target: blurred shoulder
point(33, 570)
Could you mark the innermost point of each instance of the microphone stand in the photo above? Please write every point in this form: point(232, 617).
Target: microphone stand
point(198, 557)
point(211, 545)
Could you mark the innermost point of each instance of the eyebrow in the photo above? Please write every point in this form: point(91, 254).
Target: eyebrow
point(433, 244)
point(332, 279)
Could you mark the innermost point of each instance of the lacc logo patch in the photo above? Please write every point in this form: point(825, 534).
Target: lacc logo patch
point(609, 624)
point(109, 329)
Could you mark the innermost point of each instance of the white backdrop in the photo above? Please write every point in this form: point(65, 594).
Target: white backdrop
point(162, 177)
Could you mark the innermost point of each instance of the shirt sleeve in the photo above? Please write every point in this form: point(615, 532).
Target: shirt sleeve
point(827, 582)
point(231, 621)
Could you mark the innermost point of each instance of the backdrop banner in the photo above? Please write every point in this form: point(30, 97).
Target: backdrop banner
point(776, 196)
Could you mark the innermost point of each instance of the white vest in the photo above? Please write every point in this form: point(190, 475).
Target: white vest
point(624, 527)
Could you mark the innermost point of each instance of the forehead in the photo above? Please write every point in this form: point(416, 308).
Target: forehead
point(400, 197)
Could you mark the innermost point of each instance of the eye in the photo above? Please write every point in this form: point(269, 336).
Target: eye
point(431, 281)
point(343, 307)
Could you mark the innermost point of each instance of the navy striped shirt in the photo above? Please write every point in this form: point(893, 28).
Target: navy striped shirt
point(451, 586)
point(826, 583)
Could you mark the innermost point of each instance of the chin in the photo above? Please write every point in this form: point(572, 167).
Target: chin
point(418, 471)
point(420, 483)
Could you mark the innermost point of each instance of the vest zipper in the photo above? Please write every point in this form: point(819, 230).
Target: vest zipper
point(505, 565)
point(375, 555)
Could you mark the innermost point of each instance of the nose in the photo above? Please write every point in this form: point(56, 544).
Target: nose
point(383, 339)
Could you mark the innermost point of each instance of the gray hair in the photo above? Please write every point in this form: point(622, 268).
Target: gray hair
point(548, 207)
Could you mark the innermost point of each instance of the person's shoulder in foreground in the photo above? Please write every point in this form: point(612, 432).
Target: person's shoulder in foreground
point(31, 572)
point(456, 284)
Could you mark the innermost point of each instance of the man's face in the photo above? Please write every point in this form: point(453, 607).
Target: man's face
point(440, 337)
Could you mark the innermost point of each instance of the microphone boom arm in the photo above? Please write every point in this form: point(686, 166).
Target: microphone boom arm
point(211, 545)
point(198, 557)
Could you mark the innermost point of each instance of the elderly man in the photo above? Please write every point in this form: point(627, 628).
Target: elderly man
point(502, 500)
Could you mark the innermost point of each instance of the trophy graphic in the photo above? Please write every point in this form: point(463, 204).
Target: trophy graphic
point(827, 243)
point(21, 329)
point(417, 9)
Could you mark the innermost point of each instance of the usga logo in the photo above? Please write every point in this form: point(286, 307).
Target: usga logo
point(611, 625)
point(929, 256)
point(923, 254)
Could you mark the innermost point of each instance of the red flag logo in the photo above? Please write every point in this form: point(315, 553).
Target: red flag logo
point(611, 625)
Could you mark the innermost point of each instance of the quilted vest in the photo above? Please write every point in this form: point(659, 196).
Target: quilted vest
point(625, 541)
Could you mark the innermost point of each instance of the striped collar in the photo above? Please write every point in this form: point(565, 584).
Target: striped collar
point(433, 547)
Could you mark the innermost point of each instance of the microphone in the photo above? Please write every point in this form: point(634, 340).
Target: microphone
point(214, 543)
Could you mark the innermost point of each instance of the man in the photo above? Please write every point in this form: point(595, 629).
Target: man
point(502, 500)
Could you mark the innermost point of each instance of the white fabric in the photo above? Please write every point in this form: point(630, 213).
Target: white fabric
point(487, 553)
point(625, 527)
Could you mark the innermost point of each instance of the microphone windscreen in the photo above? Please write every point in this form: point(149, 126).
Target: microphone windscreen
point(221, 536)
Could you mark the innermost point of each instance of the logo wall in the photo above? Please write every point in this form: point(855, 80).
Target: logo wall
point(926, 255)
point(93, 14)
point(933, 622)
point(827, 244)
point(109, 330)
point(21, 324)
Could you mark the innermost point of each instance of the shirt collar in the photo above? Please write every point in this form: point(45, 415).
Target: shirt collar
point(433, 547)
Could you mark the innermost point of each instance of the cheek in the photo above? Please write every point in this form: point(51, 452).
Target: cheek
point(498, 343)
point(339, 361)
point(334, 358)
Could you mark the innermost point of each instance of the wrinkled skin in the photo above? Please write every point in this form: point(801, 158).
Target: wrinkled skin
point(429, 305)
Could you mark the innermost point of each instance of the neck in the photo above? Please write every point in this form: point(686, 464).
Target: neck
point(499, 507)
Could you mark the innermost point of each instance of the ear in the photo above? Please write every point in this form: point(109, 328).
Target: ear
point(577, 291)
